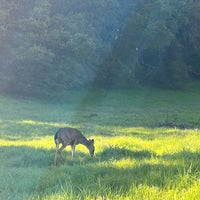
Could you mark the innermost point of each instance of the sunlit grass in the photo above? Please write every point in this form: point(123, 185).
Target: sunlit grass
point(154, 170)
point(134, 157)
point(44, 142)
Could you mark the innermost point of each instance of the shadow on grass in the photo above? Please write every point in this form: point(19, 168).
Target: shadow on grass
point(186, 158)
point(96, 174)
point(159, 135)
point(23, 156)
point(100, 178)
point(120, 153)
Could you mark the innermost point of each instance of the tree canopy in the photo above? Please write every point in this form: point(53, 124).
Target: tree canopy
point(48, 46)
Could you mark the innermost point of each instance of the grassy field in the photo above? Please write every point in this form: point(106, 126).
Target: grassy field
point(147, 146)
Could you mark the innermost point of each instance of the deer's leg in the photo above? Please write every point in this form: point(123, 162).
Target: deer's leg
point(55, 158)
point(73, 150)
point(56, 154)
point(60, 152)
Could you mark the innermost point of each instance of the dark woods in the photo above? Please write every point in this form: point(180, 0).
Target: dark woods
point(52, 46)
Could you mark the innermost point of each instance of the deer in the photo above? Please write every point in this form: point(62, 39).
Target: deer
point(71, 136)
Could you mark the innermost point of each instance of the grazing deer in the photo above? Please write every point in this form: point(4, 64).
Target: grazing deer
point(71, 136)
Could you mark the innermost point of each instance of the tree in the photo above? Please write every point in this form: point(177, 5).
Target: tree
point(49, 46)
point(150, 49)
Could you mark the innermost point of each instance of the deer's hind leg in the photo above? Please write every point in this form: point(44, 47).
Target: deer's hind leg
point(56, 154)
point(58, 151)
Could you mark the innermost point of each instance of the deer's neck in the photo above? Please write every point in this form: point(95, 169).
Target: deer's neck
point(84, 141)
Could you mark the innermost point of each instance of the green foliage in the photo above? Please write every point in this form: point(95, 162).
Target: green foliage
point(53, 46)
point(49, 47)
point(153, 48)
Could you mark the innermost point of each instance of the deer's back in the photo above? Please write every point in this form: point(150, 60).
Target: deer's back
point(68, 136)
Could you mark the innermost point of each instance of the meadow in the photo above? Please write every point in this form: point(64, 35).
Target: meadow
point(147, 146)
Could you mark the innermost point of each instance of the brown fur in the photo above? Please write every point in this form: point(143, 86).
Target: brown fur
point(71, 136)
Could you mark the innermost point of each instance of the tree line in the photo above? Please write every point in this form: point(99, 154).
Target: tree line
point(53, 46)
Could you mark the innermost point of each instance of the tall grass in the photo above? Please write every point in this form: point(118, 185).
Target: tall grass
point(135, 158)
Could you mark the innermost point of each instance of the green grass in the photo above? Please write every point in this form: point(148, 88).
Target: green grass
point(135, 157)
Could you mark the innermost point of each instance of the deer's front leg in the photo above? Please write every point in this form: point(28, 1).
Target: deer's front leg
point(56, 155)
point(73, 150)
point(55, 158)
